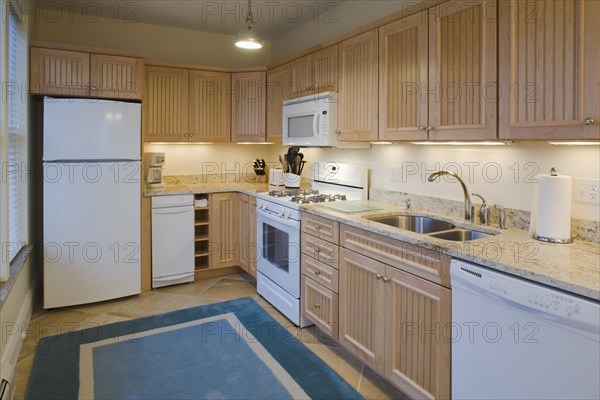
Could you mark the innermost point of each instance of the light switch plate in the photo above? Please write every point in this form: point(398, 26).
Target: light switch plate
point(587, 190)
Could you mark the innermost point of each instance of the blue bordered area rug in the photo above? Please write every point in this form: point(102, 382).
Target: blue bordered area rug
point(228, 350)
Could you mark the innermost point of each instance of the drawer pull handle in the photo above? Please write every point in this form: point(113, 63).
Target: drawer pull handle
point(317, 272)
point(317, 249)
point(317, 227)
point(379, 276)
point(317, 306)
point(386, 279)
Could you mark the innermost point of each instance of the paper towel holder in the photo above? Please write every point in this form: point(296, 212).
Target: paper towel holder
point(553, 172)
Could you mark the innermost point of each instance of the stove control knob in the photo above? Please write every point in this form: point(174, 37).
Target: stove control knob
point(286, 214)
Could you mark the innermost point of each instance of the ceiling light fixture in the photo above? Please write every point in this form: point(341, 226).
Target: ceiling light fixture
point(247, 38)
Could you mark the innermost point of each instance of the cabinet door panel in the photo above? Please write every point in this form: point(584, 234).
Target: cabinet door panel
point(361, 297)
point(224, 240)
point(165, 108)
point(116, 77)
point(403, 79)
point(277, 87)
point(320, 305)
point(59, 72)
point(248, 107)
point(358, 91)
point(210, 106)
point(462, 70)
point(417, 327)
point(549, 69)
point(243, 230)
point(301, 76)
point(325, 69)
point(251, 239)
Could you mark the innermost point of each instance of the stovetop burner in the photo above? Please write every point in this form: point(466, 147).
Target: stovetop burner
point(317, 198)
point(292, 192)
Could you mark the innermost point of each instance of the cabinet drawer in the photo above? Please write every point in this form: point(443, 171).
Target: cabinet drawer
point(425, 263)
point(320, 305)
point(320, 227)
point(320, 250)
point(319, 272)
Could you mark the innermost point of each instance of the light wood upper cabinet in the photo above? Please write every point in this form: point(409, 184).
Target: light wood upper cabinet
point(277, 93)
point(462, 70)
point(59, 72)
point(300, 73)
point(74, 73)
point(417, 348)
point(209, 106)
point(549, 69)
point(361, 303)
point(358, 90)
point(223, 236)
point(165, 106)
point(116, 77)
point(248, 107)
point(325, 70)
point(403, 72)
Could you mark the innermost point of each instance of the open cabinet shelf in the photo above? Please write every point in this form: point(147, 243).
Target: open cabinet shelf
point(201, 234)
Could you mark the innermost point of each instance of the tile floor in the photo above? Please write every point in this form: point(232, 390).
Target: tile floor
point(47, 323)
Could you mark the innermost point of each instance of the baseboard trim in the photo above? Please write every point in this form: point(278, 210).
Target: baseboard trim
point(8, 363)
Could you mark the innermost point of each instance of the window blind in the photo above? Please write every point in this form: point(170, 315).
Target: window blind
point(17, 135)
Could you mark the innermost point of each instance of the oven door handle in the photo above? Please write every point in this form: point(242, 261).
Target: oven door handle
point(277, 218)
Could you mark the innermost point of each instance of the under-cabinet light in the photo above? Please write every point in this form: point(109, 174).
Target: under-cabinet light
point(180, 142)
point(381, 143)
point(462, 143)
point(254, 142)
point(577, 143)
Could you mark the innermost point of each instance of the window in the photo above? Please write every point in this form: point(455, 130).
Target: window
point(15, 159)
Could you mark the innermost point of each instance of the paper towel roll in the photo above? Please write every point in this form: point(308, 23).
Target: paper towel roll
point(551, 209)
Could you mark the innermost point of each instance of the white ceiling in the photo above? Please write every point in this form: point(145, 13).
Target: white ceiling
point(273, 17)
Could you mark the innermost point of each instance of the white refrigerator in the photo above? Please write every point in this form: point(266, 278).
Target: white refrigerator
point(91, 196)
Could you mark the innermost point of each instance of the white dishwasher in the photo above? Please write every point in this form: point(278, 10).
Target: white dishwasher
point(172, 240)
point(513, 339)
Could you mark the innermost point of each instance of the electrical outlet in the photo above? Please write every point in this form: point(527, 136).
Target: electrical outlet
point(587, 190)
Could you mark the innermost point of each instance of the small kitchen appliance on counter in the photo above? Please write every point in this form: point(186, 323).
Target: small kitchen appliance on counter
point(155, 162)
point(276, 177)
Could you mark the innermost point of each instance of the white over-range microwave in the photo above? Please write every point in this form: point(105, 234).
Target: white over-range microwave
point(310, 121)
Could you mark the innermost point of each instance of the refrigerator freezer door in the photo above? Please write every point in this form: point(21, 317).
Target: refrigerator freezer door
point(91, 232)
point(89, 129)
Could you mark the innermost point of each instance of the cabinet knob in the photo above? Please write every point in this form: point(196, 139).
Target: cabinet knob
point(589, 121)
point(85, 86)
point(317, 272)
point(421, 127)
point(429, 128)
point(386, 279)
point(317, 306)
point(317, 227)
point(93, 87)
point(317, 249)
point(379, 276)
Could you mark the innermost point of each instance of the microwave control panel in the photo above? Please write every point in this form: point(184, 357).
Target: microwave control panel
point(324, 128)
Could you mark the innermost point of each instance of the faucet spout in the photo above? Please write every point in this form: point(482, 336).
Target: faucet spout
point(469, 214)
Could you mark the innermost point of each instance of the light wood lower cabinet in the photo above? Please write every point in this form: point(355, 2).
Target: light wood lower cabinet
point(247, 232)
point(320, 305)
point(223, 233)
point(396, 323)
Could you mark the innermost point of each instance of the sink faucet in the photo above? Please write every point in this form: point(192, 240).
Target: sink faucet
point(469, 211)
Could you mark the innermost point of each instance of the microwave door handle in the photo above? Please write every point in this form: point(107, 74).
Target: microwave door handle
point(316, 124)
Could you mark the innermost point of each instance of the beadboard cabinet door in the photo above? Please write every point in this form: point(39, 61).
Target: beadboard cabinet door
point(301, 77)
point(550, 69)
point(223, 236)
point(247, 232)
point(165, 106)
point(462, 94)
point(361, 311)
point(59, 72)
point(325, 70)
point(209, 106)
point(403, 83)
point(248, 109)
point(358, 88)
point(116, 77)
point(417, 349)
point(277, 93)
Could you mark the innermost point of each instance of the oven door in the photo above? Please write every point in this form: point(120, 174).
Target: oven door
point(278, 255)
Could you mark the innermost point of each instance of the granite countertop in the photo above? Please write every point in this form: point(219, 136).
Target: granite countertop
point(572, 267)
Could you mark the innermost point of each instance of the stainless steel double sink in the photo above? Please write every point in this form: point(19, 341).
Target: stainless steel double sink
point(429, 226)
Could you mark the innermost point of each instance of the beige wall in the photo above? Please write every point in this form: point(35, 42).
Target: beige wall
point(346, 16)
point(156, 42)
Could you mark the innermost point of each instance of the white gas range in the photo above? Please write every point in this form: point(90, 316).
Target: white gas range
point(278, 218)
